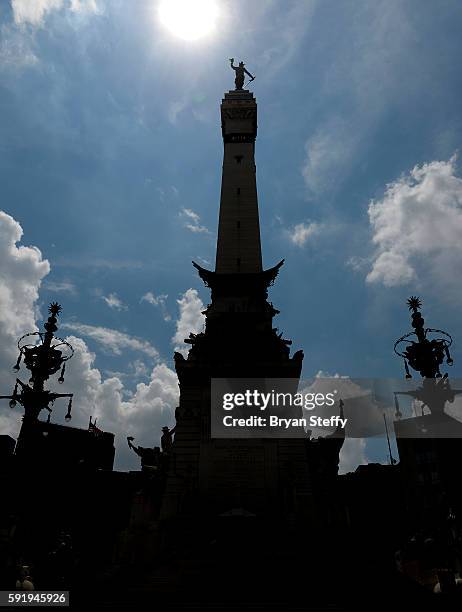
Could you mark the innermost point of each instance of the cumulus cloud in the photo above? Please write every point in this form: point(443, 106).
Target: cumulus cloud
point(114, 302)
point(192, 221)
point(416, 229)
point(34, 12)
point(22, 270)
point(302, 232)
point(191, 319)
point(159, 301)
point(111, 340)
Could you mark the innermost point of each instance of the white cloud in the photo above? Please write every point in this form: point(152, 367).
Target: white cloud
point(187, 212)
point(391, 268)
point(22, 270)
point(16, 48)
point(139, 368)
point(357, 263)
point(191, 319)
point(175, 108)
point(353, 453)
point(34, 12)
point(60, 287)
point(192, 221)
point(112, 340)
point(114, 302)
point(197, 229)
point(301, 232)
point(159, 301)
point(85, 6)
point(416, 229)
point(329, 154)
point(152, 299)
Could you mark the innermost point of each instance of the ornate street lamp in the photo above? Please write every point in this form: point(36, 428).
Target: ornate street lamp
point(43, 354)
point(424, 350)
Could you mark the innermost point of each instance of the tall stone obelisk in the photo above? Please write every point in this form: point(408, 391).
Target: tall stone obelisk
point(238, 245)
point(208, 477)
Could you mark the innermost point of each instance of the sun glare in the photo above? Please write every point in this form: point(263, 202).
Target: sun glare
point(189, 19)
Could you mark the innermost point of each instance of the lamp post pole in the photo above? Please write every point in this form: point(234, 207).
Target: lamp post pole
point(43, 354)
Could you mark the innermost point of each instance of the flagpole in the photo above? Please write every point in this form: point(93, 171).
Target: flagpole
point(392, 461)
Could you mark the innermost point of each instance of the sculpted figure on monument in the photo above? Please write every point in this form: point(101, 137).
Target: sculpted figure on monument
point(240, 73)
point(150, 457)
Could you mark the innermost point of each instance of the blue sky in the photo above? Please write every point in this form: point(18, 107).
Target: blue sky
point(110, 161)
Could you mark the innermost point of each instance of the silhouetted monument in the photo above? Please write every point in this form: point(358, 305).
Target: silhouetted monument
point(211, 478)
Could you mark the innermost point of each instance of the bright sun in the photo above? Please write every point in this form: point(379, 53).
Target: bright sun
point(189, 19)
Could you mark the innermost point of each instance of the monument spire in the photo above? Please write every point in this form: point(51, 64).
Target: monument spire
point(239, 341)
point(238, 243)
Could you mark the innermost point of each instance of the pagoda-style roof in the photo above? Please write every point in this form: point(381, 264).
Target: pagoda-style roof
point(212, 279)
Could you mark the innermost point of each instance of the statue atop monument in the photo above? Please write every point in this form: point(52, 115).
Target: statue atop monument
point(240, 74)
